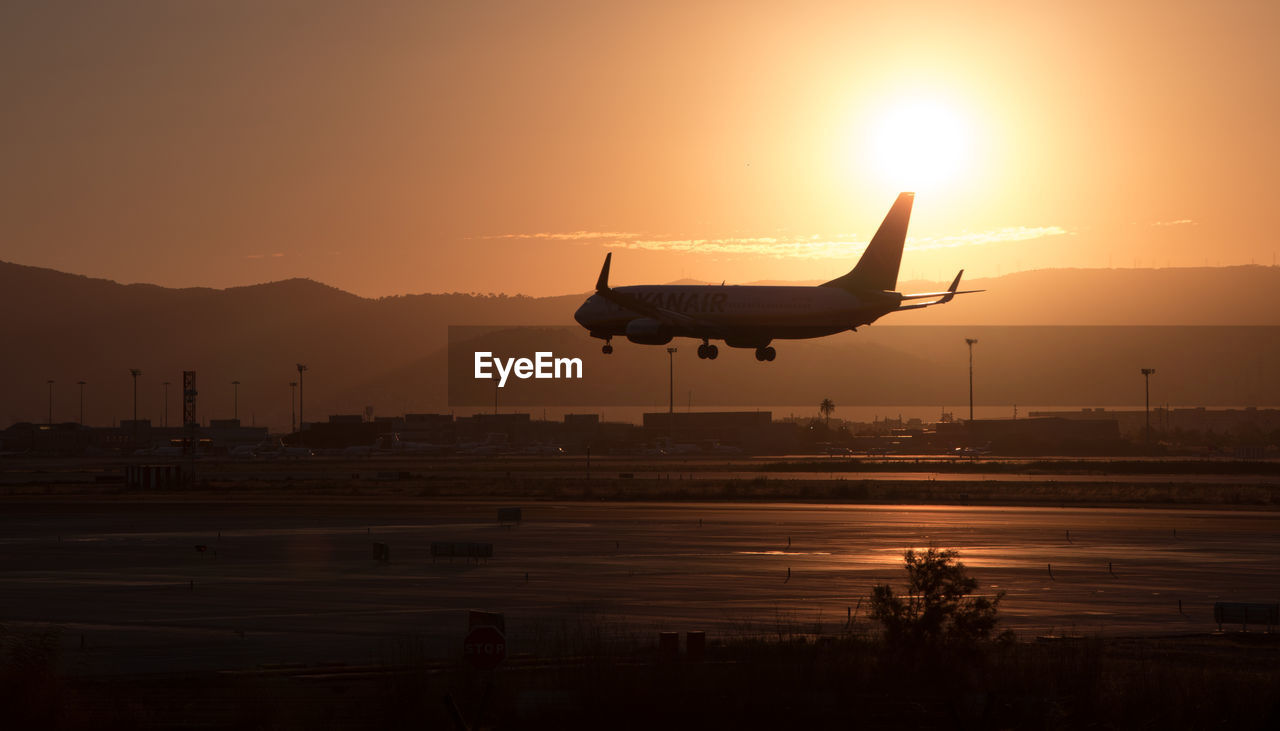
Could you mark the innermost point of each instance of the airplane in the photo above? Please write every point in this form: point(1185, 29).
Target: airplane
point(392, 443)
point(755, 316)
point(271, 449)
point(244, 451)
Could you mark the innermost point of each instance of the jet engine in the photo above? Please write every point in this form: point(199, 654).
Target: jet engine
point(648, 331)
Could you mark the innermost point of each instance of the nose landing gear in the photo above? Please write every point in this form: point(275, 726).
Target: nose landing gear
point(608, 348)
point(708, 351)
point(768, 353)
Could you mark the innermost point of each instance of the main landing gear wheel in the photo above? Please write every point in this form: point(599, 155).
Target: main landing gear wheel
point(708, 352)
point(607, 349)
point(763, 354)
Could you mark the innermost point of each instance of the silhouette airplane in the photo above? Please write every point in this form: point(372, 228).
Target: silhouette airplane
point(754, 316)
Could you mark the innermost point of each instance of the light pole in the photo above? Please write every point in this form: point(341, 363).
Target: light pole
point(1146, 377)
point(293, 403)
point(81, 385)
point(164, 418)
point(671, 382)
point(671, 391)
point(971, 342)
point(235, 400)
point(301, 419)
point(135, 372)
point(50, 402)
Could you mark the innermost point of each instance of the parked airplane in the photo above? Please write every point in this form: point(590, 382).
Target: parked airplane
point(391, 443)
point(270, 449)
point(753, 317)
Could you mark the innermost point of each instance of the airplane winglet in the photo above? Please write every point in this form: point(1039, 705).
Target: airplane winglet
point(945, 297)
point(627, 301)
point(602, 284)
point(951, 291)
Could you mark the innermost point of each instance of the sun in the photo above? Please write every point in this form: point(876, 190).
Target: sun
point(919, 144)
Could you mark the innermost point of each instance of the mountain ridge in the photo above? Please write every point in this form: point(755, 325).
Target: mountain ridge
point(364, 351)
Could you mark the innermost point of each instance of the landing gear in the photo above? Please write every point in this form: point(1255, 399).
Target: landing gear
point(763, 354)
point(707, 351)
point(607, 349)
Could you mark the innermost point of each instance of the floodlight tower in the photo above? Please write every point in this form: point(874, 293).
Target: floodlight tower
point(293, 405)
point(189, 394)
point(235, 400)
point(971, 342)
point(1146, 377)
point(190, 422)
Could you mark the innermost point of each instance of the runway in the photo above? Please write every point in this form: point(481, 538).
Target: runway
point(294, 581)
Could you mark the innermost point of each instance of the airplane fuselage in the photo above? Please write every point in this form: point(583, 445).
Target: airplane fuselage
point(749, 315)
point(752, 317)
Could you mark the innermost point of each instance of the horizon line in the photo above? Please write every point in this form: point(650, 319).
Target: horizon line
point(683, 280)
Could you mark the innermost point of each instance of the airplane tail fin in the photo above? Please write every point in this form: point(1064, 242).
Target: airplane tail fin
point(602, 284)
point(878, 267)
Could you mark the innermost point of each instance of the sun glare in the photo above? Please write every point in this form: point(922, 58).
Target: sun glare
point(919, 145)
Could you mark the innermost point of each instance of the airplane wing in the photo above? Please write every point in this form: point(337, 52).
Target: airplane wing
point(946, 296)
point(692, 325)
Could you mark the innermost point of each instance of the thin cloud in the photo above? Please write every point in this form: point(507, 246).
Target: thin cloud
point(766, 246)
point(1179, 222)
point(981, 238)
point(816, 248)
point(569, 236)
point(793, 247)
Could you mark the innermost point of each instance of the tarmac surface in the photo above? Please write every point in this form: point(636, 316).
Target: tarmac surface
point(285, 581)
point(26, 472)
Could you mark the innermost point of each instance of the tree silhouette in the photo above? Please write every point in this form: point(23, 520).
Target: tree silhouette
point(826, 408)
point(938, 606)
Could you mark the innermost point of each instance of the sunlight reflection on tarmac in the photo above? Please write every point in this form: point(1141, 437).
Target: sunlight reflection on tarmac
point(296, 583)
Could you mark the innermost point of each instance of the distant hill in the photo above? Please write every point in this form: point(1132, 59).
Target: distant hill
point(1241, 295)
point(69, 328)
point(388, 352)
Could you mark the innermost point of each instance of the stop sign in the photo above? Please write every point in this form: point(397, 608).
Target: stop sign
point(485, 647)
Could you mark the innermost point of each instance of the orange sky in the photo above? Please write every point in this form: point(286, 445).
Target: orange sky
point(391, 147)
